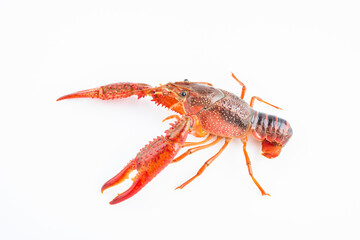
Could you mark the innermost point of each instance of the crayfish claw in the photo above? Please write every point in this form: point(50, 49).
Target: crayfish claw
point(139, 181)
point(90, 93)
point(120, 177)
point(151, 159)
point(112, 91)
point(135, 187)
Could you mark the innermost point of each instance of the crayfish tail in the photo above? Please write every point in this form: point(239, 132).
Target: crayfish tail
point(271, 149)
point(272, 131)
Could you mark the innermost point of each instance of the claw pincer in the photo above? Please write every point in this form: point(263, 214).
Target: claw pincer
point(151, 159)
point(111, 91)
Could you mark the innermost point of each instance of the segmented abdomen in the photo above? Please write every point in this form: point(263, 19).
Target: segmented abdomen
point(271, 128)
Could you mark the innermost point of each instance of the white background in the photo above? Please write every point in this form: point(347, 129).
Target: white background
point(302, 56)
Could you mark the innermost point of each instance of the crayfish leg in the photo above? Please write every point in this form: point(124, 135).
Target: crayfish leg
point(242, 84)
point(248, 163)
point(188, 144)
point(195, 149)
point(260, 100)
point(206, 164)
point(171, 117)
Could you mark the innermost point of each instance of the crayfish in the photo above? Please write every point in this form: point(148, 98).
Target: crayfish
point(205, 112)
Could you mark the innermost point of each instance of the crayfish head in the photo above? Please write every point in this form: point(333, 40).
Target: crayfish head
point(193, 96)
point(166, 98)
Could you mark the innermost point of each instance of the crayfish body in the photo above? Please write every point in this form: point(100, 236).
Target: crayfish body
point(205, 112)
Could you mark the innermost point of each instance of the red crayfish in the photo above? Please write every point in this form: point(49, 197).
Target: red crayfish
point(205, 112)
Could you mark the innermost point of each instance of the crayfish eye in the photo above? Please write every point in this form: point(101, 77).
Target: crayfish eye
point(186, 80)
point(183, 94)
